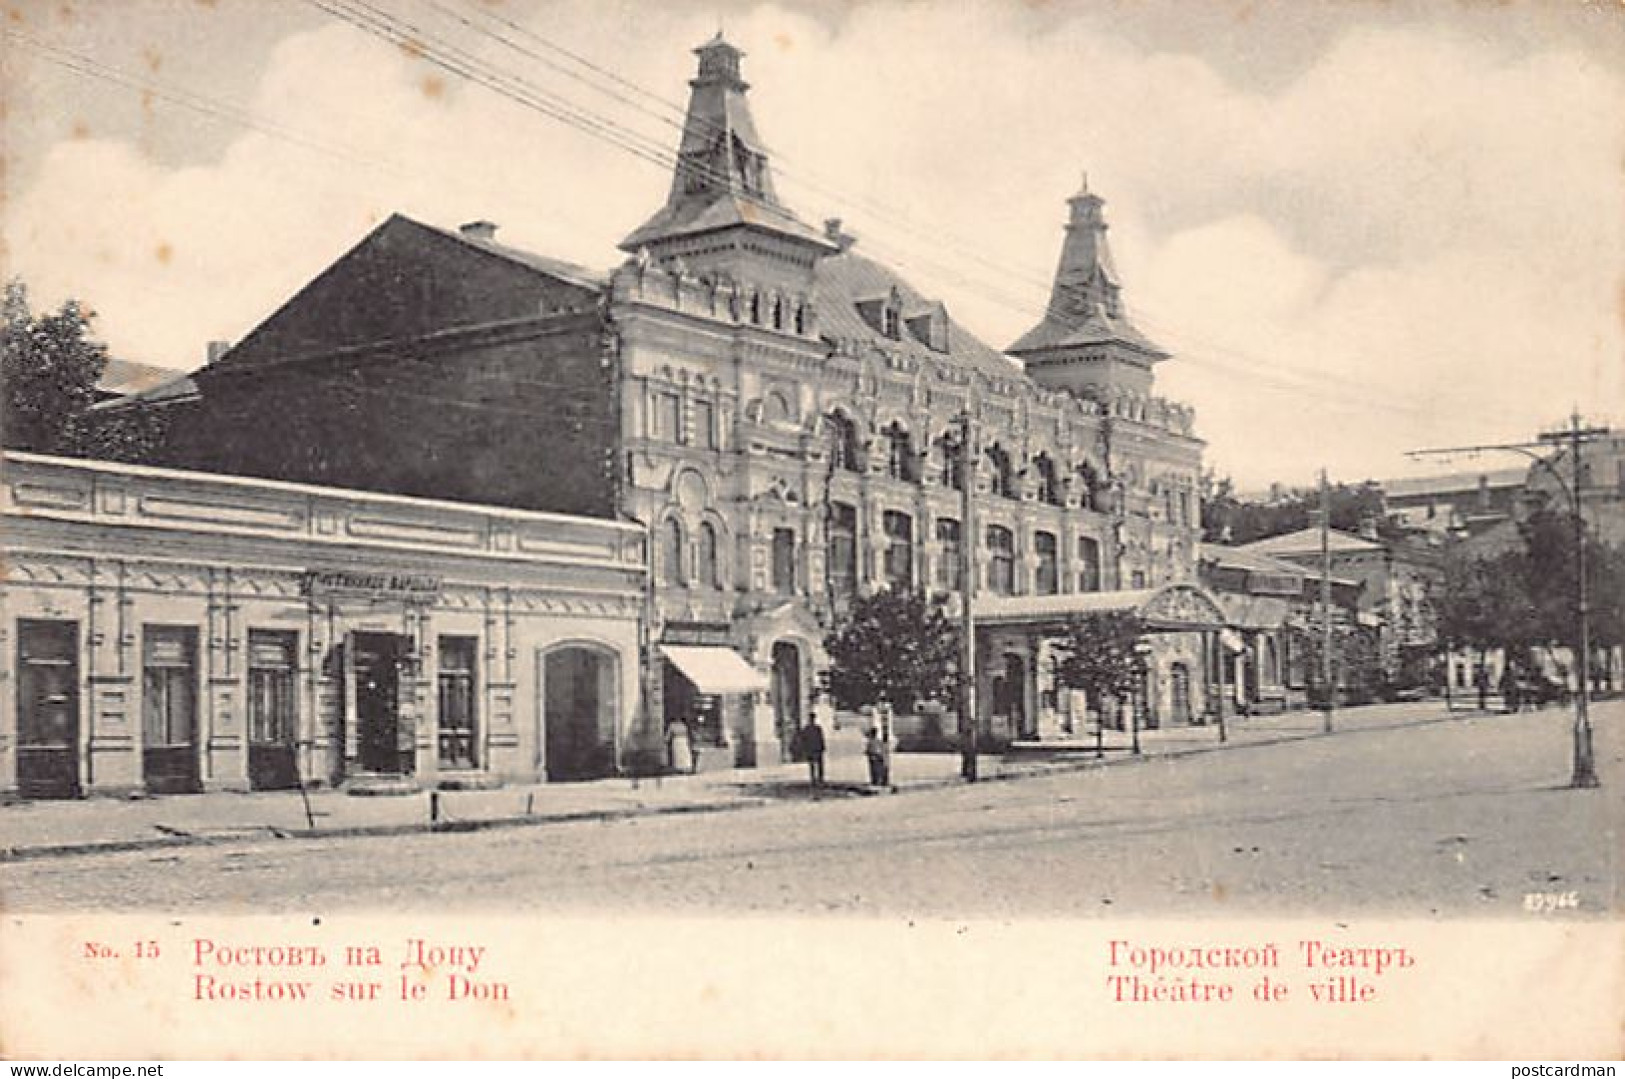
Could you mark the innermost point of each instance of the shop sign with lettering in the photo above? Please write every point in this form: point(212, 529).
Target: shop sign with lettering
point(361, 584)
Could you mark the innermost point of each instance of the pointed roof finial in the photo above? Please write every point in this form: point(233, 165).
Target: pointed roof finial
point(1083, 188)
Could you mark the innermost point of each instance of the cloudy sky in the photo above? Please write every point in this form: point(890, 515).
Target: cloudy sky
point(1361, 227)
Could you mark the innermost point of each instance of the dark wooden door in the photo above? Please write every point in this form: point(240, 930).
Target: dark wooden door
point(48, 709)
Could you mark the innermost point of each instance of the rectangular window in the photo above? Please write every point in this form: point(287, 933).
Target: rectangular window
point(457, 711)
point(1137, 579)
point(169, 685)
point(784, 560)
point(271, 665)
point(950, 554)
point(843, 548)
point(705, 435)
point(899, 549)
point(1048, 579)
point(668, 417)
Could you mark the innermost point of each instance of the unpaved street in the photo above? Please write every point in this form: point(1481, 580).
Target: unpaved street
point(1464, 816)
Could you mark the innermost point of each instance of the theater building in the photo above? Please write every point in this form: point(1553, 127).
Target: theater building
point(782, 413)
point(169, 631)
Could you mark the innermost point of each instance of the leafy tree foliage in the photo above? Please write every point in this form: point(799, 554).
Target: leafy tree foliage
point(1524, 597)
point(1229, 518)
point(1098, 655)
point(896, 646)
point(50, 367)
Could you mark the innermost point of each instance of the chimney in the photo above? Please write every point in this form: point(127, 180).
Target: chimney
point(479, 230)
point(214, 350)
point(833, 233)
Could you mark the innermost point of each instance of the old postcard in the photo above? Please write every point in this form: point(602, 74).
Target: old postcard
point(812, 530)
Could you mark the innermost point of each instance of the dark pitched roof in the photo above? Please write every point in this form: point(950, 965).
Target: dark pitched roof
point(723, 210)
point(846, 279)
point(566, 271)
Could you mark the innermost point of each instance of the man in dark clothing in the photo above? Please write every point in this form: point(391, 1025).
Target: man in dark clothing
point(812, 748)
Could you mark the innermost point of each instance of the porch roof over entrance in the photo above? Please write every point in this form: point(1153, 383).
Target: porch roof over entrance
point(715, 670)
point(1171, 608)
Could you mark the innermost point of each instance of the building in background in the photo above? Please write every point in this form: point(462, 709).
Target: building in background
point(1396, 580)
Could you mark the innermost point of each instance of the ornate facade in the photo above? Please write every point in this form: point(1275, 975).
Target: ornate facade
point(792, 413)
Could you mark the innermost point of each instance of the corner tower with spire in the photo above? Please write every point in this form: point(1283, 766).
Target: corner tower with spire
point(1086, 343)
point(722, 202)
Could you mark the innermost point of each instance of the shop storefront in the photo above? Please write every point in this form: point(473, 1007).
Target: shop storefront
point(171, 632)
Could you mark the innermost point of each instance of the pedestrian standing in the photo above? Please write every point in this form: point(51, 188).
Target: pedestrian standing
point(680, 747)
point(812, 746)
point(878, 753)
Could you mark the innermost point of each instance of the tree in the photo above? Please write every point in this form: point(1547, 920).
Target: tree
point(896, 646)
point(1227, 518)
point(50, 367)
point(1099, 654)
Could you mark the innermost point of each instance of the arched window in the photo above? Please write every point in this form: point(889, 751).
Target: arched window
point(755, 308)
point(950, 554)
point(1088, 564)
point(1048, 579)
point(710, 575)
point(1000, 479)
point(671, 552)
point(843, 548)
point(777, 309)
point(899, 454)
point(801, 318)
point(784, 560)
point(1049, 486)
point(899, 563)
point(1001, 565)
point(951, 462)
point(843, 443)
point(1089, 487)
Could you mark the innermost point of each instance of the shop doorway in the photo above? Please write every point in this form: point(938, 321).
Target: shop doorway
point(1179, 692)
point(376, 661)
point(786, 694)
point(169, 713)
point(578, 713)
point(48, 709)
point(272, 713)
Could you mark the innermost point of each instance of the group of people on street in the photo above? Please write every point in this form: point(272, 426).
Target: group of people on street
point(807, 744)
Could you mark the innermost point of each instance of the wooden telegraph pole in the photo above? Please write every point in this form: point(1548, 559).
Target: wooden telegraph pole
point(1329, 691)
point(1575, 435)
point(967, 592)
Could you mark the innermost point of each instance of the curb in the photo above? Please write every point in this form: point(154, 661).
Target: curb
point(1040, 770)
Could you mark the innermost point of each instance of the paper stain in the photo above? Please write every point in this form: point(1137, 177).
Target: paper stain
point(434, 87)
point(784, 41)
point(163, 253)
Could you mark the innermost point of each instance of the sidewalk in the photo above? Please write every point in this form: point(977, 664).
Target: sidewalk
point(44, 828)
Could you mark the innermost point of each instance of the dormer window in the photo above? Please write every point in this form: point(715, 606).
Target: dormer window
point(889, 322)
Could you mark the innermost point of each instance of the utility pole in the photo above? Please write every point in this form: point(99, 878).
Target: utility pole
point(967, 592)
point(1584, 769)
point(1328, 690)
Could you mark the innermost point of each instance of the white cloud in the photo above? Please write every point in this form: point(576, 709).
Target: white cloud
point(1431, 217)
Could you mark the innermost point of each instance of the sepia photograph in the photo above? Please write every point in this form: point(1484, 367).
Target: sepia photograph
point(812, 529)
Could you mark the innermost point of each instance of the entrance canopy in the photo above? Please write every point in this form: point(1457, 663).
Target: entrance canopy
point(715, 670)
point(1171, 608)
